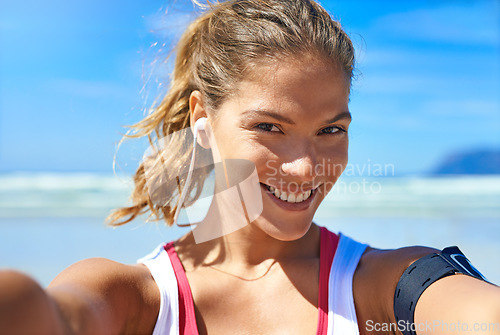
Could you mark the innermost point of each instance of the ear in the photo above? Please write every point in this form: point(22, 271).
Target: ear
point(197, 110)
point(196, 107)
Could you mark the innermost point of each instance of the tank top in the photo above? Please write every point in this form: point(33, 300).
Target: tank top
point(339, 257)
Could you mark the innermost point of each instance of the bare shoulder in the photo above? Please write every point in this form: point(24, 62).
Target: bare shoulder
point(98, 295)
point(376, 278)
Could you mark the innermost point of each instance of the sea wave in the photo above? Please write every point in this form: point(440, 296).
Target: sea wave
point(415, 196)
point(85, 194)
point(63, 182)
point(50, 194)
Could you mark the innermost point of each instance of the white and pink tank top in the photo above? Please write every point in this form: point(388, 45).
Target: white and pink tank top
point(339, 257)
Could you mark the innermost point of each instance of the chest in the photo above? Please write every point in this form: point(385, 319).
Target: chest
point(285, 301)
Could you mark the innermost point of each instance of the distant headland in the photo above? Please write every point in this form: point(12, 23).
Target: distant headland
point(475, 162)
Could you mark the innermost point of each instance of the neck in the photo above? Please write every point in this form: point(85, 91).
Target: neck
point(248, 248)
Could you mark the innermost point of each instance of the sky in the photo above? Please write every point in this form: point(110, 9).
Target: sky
point(74, 73)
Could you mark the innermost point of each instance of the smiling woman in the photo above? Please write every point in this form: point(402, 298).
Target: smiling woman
point(267, 118)
point(265, 82)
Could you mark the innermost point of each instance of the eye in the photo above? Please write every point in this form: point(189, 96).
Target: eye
point(267, 127)
point(332, 130)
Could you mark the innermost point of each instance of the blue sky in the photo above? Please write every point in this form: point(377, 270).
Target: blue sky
point(72, 74)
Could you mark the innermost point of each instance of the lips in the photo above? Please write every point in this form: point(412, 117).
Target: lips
point(290, 197)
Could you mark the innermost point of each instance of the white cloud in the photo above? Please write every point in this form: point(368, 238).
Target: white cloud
point(464, 107)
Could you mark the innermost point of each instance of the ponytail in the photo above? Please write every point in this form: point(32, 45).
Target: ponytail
point(170, 116)
point(218, 50)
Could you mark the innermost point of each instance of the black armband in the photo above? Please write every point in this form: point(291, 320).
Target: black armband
point(420, 275)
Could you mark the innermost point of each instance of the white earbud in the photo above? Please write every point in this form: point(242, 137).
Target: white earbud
point(199, 127)
point(201, 133)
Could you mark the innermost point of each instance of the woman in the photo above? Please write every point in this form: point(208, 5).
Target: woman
point(272, 78)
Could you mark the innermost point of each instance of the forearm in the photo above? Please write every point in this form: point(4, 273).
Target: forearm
point(26, 308)
point(459, 304)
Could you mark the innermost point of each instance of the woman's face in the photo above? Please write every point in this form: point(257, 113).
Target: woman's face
point(291, 121)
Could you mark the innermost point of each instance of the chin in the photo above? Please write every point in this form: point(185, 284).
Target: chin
point(283, 229)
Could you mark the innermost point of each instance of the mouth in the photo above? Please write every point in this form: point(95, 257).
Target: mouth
point(289, 200)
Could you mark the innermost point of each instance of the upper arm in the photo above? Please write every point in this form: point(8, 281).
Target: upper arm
point(459, 304)
point(375, 282)
point(453, 301)
point(99, 296)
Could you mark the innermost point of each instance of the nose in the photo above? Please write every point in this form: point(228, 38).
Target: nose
point(302, 166)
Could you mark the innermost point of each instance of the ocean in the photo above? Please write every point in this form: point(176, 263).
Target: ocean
point(49, 221)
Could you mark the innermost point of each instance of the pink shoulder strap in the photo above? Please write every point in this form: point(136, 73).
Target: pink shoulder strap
point(187, 319)
point(328, 246)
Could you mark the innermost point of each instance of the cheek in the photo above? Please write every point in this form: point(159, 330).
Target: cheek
point(334, 159)
point(239, 145)
point(230, 146)
point(342, 157)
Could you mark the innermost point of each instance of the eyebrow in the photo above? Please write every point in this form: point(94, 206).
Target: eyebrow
point(271, 114)
point(341, 116)
point(284, 119)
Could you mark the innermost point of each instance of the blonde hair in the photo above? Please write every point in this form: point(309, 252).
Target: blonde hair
point(217, 50)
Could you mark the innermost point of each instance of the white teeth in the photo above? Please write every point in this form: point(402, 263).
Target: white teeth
point(292, 198)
